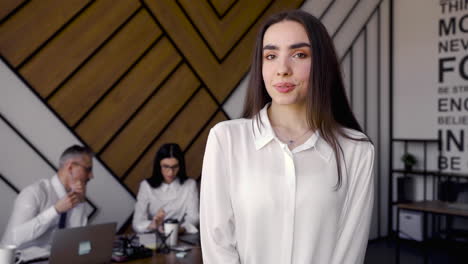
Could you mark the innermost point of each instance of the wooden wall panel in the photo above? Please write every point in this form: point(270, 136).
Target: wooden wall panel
point(222, 6)
point(33, 25)
point(191, 120)
point(222, 35)
point(105, 68)
point(126, 147)
point(129, 94)
point(59, 58)
point(194, 154)
point(7, 6)
point(220, 78)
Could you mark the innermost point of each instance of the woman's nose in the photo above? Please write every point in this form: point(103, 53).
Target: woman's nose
point(284, 68)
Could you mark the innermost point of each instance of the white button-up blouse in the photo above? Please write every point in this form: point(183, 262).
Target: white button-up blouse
point(179, 201)
point(263, 203)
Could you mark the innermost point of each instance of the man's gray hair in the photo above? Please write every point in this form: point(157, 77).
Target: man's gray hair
point(73, 152)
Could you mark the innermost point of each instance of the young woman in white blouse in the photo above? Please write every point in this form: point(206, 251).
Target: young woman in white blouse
point(291, 182)
point(169, 193)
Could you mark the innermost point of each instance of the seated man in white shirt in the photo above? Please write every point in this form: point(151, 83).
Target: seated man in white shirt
point(49, 204)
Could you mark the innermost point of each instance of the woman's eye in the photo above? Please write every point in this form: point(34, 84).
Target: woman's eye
point(300, 55)
point(270, 56)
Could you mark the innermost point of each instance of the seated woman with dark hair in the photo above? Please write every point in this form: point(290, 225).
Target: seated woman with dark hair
point(167, 194)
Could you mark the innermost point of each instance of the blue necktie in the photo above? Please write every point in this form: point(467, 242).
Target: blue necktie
point(63, 219)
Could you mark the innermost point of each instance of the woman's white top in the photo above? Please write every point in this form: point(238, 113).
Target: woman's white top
point(263, 203)
point(179, 201)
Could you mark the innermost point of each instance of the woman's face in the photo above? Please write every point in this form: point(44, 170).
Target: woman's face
point(287, 59)
point(169, 169)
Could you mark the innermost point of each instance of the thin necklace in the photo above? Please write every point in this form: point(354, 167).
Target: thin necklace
point(292, 140)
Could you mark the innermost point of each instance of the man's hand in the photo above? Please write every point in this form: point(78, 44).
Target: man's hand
point(67, 202)
point(79, 188)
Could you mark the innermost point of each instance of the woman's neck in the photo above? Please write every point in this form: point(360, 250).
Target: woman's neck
point(290, 117)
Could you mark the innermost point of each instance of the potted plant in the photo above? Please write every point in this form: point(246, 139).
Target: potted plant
point(409, 160)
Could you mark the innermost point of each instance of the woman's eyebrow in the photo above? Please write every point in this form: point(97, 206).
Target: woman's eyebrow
point(299, 45)
point(293, 46)
point(270, 47)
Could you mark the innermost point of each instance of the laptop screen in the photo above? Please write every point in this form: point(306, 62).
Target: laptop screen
point(89, 244)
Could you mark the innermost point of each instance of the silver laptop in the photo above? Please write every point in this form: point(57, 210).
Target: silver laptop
point(88, 245)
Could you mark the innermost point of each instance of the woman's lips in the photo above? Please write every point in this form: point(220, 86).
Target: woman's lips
point(284, 87)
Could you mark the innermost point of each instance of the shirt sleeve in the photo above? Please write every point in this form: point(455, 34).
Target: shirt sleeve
point(192, 216)
point(216, 213)
point(357, 211)
point(27, 222)
point(141, 220)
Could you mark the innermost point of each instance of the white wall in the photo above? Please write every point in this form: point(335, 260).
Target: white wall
point(6, 205)
point(415, 72)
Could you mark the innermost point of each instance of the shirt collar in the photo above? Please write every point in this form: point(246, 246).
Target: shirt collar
point(264, 133)
point(58, 187)
point(322, 147)
point(174, 185)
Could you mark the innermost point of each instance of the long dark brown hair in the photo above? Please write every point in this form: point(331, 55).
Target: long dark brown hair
point(328, 109)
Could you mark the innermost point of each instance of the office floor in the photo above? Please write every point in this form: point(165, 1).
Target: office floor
point(383, 251)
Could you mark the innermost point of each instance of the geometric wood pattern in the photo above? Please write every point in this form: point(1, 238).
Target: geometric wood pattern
point(221, 34)
point(128, 76)
point(27, 29)
point(150, 73)
point(221, 7)
point(158, 112)
point(105, 68)
point(8, 6)
point(48, 69)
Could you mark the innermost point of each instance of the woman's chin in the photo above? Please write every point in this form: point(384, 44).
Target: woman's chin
point(169, 180)
point(285, 101)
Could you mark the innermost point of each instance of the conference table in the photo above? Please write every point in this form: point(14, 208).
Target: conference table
point(194, 256)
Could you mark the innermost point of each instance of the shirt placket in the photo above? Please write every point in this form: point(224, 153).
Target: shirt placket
point(290, 204)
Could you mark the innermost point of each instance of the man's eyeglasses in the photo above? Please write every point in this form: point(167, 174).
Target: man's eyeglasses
point(86, 168)
point(167, 167)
